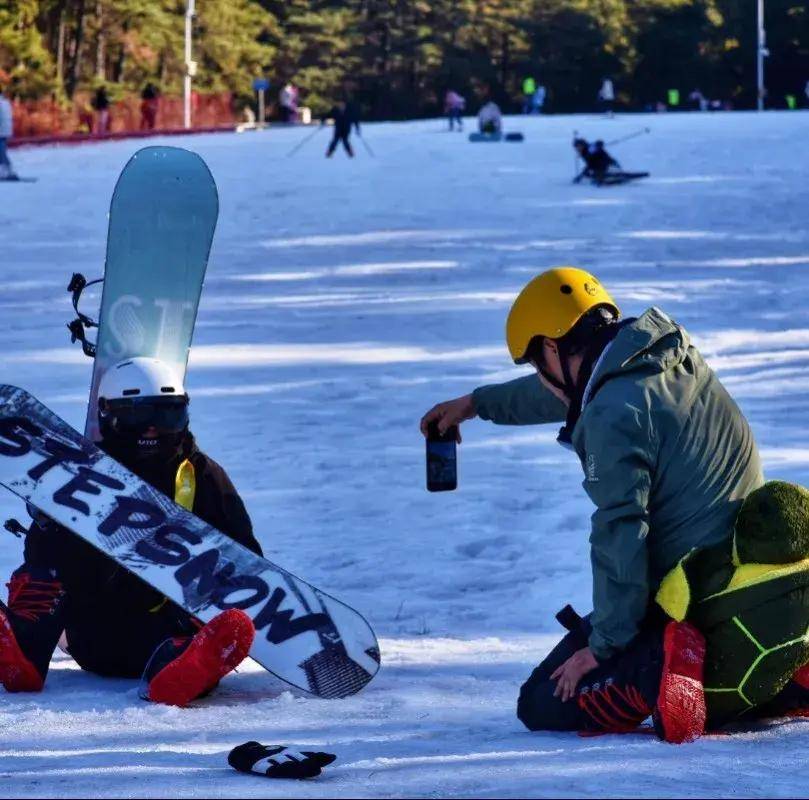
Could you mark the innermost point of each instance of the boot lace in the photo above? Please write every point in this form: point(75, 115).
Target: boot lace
point(614, 709)
point(30, 599)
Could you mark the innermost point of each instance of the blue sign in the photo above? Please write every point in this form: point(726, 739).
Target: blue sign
point(261, 84)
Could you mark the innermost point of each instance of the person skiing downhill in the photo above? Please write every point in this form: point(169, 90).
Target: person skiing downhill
point(345, 115)
point(668, 459)
point(116, 625)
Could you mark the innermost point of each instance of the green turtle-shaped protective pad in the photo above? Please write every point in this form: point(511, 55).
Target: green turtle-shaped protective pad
point(773, 525)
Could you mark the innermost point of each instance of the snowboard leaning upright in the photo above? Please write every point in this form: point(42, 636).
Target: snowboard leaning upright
point(303, 635)
point(162, 221)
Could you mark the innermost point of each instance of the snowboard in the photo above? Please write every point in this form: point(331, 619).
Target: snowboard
point(162, 220)
point(619, 178)
point(514, 136)
point(303, 635)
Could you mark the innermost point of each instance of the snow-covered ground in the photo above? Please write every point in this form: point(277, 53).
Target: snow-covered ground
point(344, 298)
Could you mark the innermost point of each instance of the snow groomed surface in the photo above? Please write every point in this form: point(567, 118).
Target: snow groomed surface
point(343, 299)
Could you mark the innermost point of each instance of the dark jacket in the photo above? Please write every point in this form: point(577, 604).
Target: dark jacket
point(114, 619)
point(598, 160)
point(101, 101)
point(344, 119)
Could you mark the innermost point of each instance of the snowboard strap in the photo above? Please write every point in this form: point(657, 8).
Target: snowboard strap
point(78, 283)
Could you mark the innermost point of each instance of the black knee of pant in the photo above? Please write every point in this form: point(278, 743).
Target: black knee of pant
point(539, 710)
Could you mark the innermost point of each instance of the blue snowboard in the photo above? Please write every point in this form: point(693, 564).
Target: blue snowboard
point(162, 221)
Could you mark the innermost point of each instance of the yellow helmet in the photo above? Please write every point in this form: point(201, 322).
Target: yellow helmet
point(550, 305)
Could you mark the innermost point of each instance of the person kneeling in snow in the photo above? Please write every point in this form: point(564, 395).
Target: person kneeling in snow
point(490, 118)
point(115, 624)
point(668, 460)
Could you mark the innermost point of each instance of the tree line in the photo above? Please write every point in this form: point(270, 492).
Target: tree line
point(398, 57)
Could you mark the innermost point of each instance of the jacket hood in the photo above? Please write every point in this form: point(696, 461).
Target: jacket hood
point(652, 342)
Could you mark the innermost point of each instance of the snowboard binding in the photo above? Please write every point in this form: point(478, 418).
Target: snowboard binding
point(78, 327)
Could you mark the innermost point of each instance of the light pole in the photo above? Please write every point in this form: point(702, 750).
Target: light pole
point(761, 54)
point(190, 65)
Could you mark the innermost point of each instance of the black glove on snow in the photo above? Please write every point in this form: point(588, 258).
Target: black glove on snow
point(276, 761)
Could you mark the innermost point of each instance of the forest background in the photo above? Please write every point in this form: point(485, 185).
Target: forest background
point(398, 57)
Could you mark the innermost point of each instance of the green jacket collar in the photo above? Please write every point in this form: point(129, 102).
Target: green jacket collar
point(652, 341)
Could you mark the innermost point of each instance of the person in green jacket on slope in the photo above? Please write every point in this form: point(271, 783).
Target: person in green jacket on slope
point(668, 460)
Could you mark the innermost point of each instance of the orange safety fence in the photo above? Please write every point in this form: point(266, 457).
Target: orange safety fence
point(50, 120)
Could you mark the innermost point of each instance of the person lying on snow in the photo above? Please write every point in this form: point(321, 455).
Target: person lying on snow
point(115, 624)
point(668, 461)
point(599, 166)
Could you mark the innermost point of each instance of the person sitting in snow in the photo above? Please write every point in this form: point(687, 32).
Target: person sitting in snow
point(490, 119)
point(668, 461)
point(115, 624)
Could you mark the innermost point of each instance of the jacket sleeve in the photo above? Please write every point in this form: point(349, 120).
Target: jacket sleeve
point(523, 401)
point(618, 457)
point(233, 517)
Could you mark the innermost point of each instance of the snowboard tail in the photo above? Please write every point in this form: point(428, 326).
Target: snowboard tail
point(303, 635)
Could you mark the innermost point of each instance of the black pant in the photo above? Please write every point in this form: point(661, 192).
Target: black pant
point(615, 697)
point(340, 136)
point(113, 621)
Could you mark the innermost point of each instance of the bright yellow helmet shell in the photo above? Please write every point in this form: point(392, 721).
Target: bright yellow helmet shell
point(550, 305)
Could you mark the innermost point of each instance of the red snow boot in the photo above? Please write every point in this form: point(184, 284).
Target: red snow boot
point(29, 628)
point(680, 713)
point(800, 703)
point(183, 669)
point(17, 673)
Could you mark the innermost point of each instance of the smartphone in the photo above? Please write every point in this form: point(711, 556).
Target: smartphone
point(442, 461)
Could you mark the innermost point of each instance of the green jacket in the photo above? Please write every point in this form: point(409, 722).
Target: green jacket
point(668, 459)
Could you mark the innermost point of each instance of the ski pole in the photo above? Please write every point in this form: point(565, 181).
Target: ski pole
point(367, 146)
point(303, 141)
point(575, 156)
point(629, 136)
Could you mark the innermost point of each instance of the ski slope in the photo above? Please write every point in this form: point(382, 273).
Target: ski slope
point(343, 299)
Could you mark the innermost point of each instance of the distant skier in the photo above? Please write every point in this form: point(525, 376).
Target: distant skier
point(599, 166)
point(698, 100)
point(538, 99)
point(149, 104)
point(454, 105)
point(606, 96)
point(6, 132)
point(101, 104)
point(288, 102)
point(490, 119)
point(115, 624)
point(345, 116)
point(529, 87)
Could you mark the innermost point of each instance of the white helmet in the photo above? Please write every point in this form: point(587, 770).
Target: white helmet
point(140, 377)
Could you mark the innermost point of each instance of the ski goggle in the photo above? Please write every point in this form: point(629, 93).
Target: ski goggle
point(135, 415)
